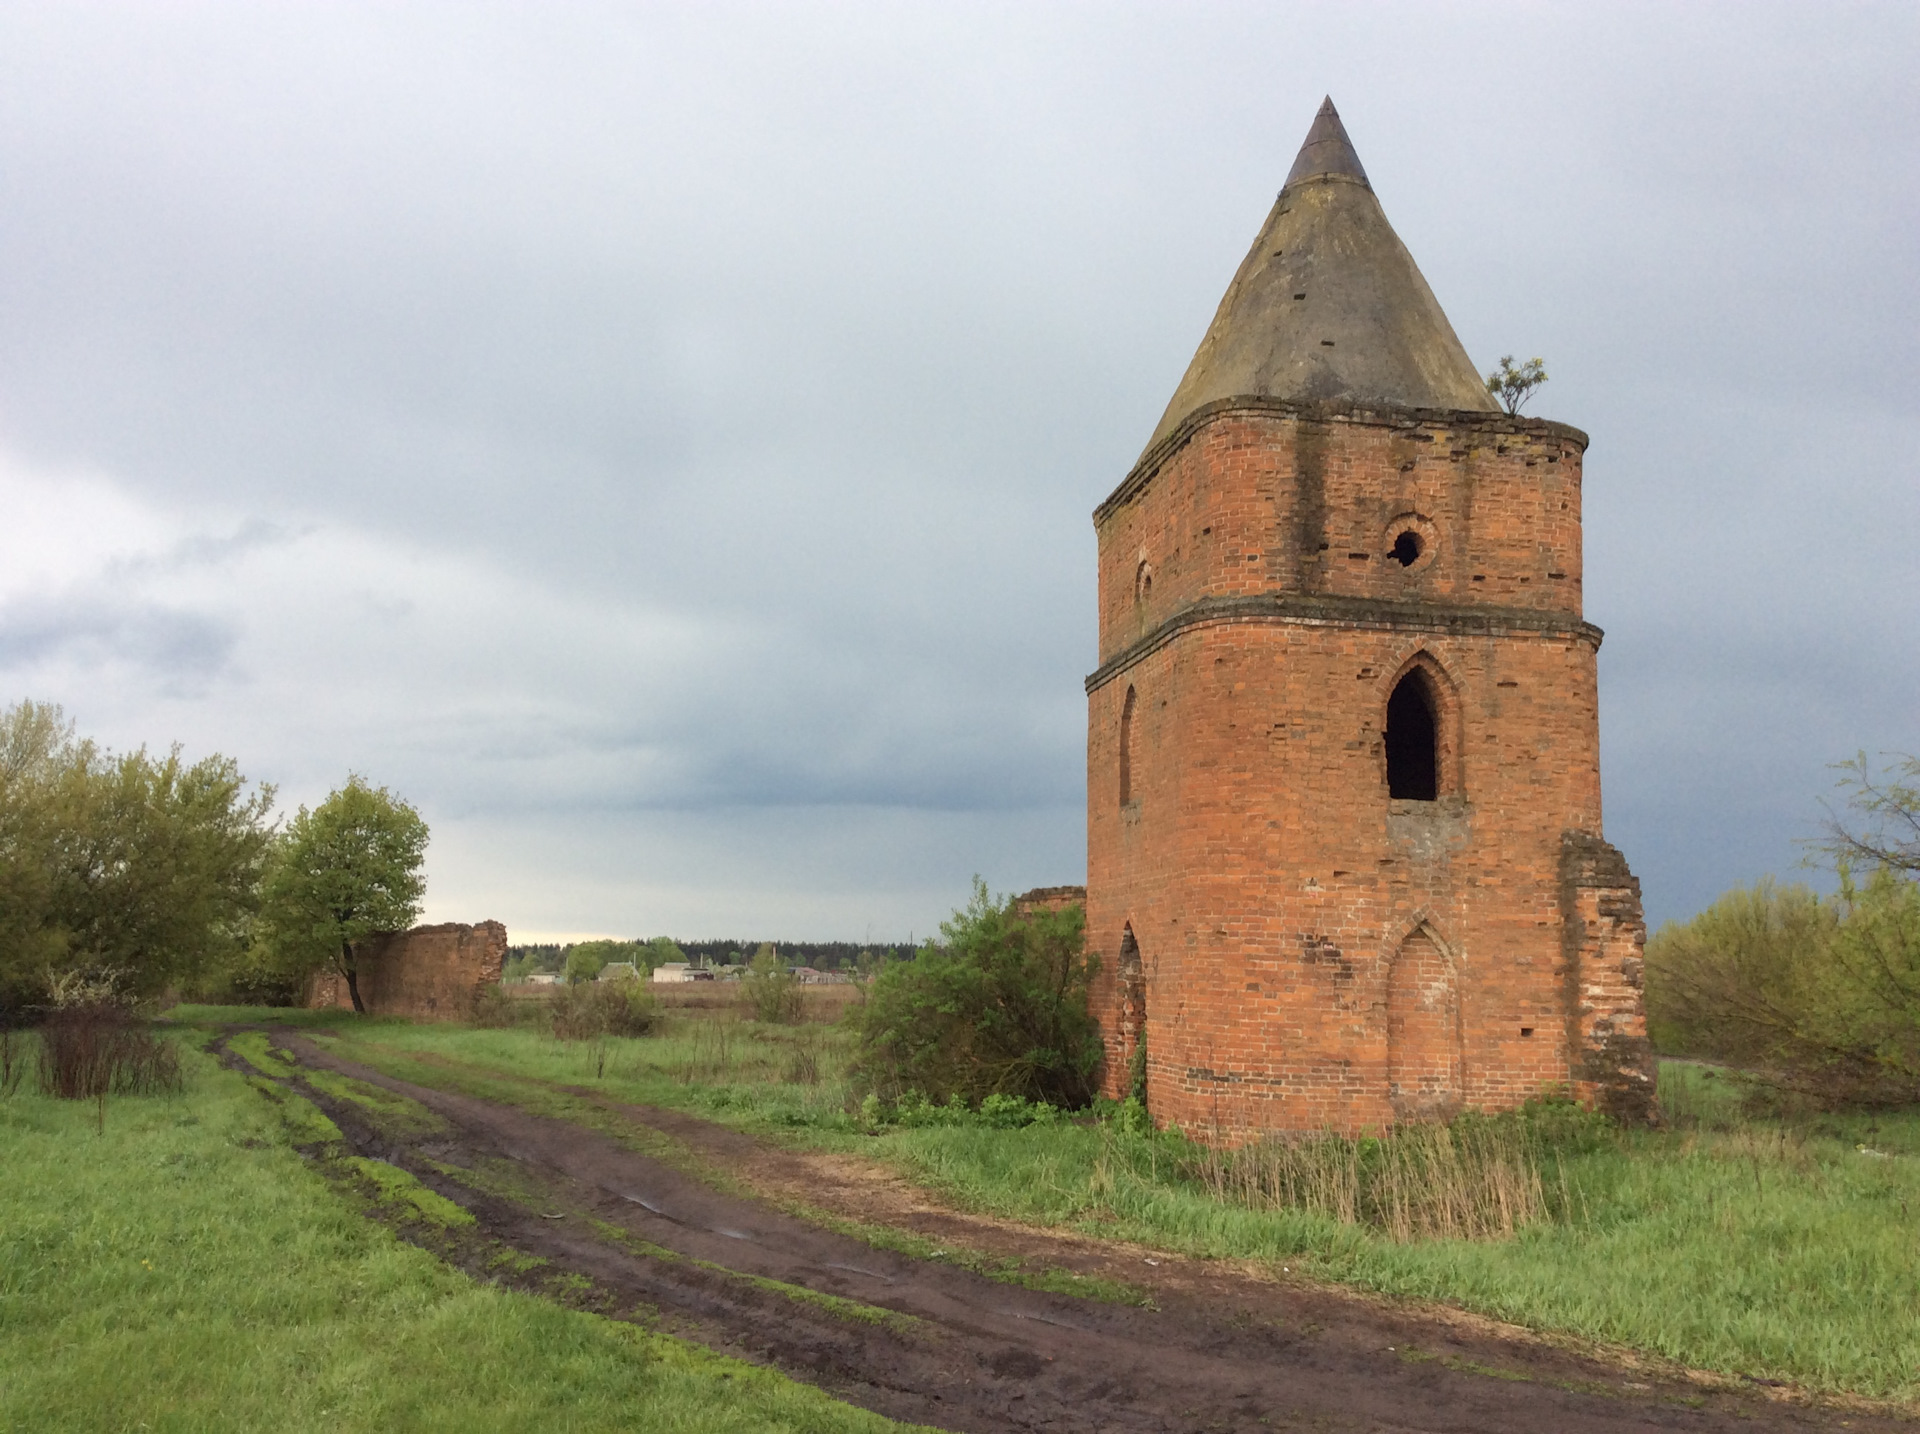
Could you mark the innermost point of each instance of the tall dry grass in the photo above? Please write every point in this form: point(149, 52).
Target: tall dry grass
point(1473, 1180)
point(712, 1055)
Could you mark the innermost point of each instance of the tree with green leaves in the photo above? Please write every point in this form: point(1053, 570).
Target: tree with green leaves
point(344, 871)
point(585, 960)
point(137, 869)
point(1514, 384)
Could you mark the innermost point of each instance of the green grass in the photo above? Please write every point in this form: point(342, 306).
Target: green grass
point(735, 1071)
point(185, 1269)
point(1743, 1247)
point(1772, 1248)
point(389, 1111)
point(406, 1196)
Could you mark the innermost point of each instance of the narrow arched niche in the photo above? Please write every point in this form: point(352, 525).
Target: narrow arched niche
point(1424, 1075)
point(1126, 747)
point(1413, 739)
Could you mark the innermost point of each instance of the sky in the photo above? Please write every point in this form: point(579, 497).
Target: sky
point(659, 441)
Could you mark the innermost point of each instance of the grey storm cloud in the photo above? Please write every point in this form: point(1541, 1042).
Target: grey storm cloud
point(661, 441)
point(178, 650)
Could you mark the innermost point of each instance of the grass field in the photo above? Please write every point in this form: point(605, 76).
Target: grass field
point(182, 1268)
point(1779, 1250)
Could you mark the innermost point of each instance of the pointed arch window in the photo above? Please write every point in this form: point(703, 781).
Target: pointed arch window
point(1413, 739)
point(1126, 747)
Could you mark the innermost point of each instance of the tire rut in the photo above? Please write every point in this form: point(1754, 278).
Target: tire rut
point(931, 1343)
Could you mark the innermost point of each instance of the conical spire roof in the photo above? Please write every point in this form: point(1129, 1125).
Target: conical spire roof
point(1327, 150)
point(1328, 304)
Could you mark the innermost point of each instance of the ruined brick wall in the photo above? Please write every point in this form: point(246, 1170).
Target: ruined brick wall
point(1605, 939)
point(430, 973)
point(1297, 949)
point(1049, 898)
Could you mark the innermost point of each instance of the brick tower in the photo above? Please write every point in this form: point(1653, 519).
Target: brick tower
point(1344, 862)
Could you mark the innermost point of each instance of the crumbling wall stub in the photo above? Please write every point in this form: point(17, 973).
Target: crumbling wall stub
point(1605, 935)
point(1048, 898)
point(431, 973)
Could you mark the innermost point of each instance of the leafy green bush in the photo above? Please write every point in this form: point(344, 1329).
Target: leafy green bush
point(1723, 985)
point(769, 991)
point(999, 1009)
point(1818, 999)
point(914, 1111)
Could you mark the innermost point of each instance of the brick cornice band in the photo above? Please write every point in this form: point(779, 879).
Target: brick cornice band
point(1414, 420)
point(1368, 614)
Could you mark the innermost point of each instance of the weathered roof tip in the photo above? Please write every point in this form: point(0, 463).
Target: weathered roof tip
point(1327, 150)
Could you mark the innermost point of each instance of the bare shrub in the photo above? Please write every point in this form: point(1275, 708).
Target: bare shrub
point(602, 1008)
point(13, 1064)
point(99, 1048)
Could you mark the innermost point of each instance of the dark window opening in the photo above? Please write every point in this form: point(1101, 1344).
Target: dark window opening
point(1126, 748)
point(1526, 1031)
point(1413, 758)
point(1406, 548)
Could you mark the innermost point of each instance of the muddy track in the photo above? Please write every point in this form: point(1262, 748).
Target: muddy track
point(924, 1341)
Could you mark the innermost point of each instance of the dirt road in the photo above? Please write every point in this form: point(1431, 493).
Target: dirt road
point(925, 1341)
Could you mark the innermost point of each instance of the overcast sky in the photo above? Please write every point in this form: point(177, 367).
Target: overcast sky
point(660, 442)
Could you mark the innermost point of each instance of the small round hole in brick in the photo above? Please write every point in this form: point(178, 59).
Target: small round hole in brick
point(1407, 548)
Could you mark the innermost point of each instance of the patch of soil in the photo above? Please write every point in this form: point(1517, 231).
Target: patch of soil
point(1222, 1349)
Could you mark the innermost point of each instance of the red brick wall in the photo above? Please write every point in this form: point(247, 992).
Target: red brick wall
point(1305, 944)
point(431, 972)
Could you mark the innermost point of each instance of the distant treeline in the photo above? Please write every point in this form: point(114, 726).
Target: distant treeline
point(820, 955)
